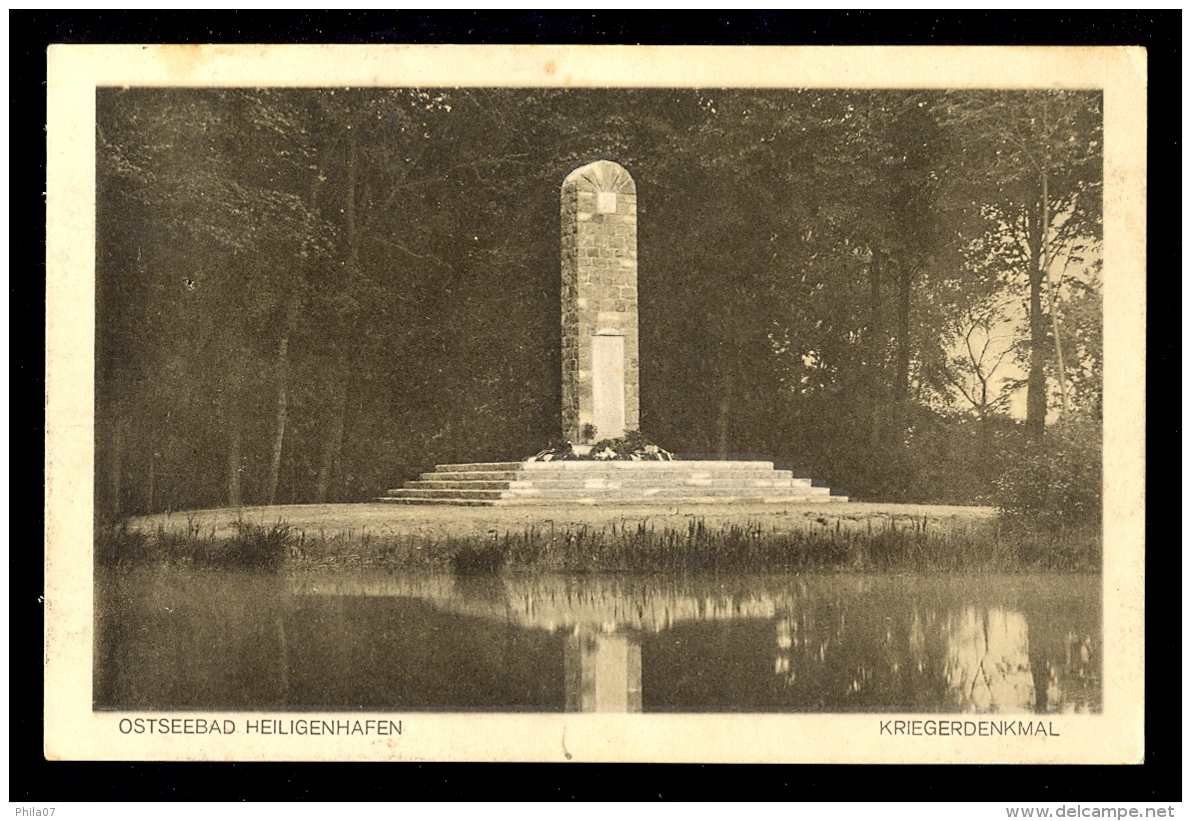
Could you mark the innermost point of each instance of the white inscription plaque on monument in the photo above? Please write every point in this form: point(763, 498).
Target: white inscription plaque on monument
point(607, 384)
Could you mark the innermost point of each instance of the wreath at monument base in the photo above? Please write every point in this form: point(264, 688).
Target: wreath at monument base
point(633, 446)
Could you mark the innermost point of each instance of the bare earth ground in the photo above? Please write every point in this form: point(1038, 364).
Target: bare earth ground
point(380, 520)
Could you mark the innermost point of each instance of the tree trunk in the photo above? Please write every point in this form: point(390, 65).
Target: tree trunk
point(151, 482)
point(1051, 291)
point(725, 412)
point(233, 415)
point(234, 498)
point(876, 415)
point(1054, 321)
point(1039, 270)
point(725, 408)
point(116, 466)
point(282, 415)
point(291, 323)
point(333, 445)
point(901, 385)
point(1036, 383)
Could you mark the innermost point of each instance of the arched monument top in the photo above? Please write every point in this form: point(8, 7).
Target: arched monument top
point(602, 175)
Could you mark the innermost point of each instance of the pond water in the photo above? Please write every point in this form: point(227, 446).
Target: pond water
point(188, 639)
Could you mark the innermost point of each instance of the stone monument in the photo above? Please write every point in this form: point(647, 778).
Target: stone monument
point(601, 400)
point(599, 303)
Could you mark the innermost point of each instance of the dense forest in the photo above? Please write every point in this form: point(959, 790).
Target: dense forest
point(309, 295)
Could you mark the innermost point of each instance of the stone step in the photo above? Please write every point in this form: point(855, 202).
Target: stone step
point(666, 492)
point(444, 493)
point(586, 465)
point(480, 466)
point(470, 476)
point(661, 473)
point(395, 500)
point(679, 500)
point(686, 480)
point(454, 484)
point(615, 481)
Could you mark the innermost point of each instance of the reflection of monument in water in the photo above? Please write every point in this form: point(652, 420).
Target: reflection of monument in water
point(603, 673)
point(605, 618)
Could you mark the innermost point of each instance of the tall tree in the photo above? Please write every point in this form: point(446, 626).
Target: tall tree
point(1033, 161)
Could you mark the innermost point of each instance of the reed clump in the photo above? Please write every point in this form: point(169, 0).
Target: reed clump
point(253, 547)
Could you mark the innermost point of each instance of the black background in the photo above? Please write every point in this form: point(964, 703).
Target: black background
point(34, 779)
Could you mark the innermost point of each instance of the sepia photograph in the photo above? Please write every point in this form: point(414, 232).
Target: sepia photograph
point(502, 403)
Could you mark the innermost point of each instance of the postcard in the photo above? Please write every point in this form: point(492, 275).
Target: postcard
point(585, 403)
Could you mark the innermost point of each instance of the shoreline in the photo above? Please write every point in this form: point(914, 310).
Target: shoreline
point(602, 539)
point(381, 519)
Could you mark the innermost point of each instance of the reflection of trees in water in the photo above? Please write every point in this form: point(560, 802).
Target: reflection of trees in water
point(988, 660)
point(1073, 681)
point(860, 651)
point(187, 639)
point(872, 650)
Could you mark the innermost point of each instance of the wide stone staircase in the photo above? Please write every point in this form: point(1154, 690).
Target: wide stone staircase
point(593, 482)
